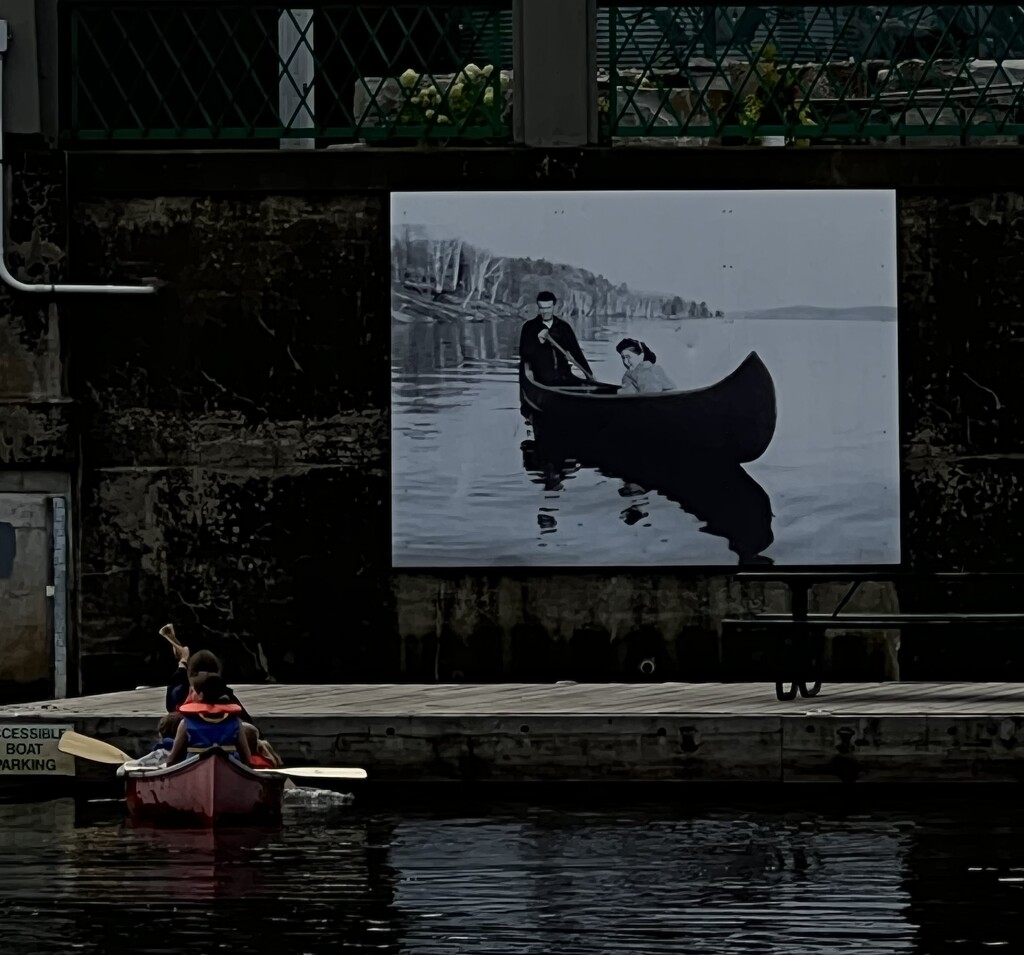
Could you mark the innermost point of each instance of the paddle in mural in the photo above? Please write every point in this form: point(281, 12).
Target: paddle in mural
point(640, 379)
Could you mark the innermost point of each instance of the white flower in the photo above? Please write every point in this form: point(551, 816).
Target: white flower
point(443, 120)
point(429, 114)
point(471, 70)
point(488, 96)
point(456, 91)
point(409, 78)
point(488, 70)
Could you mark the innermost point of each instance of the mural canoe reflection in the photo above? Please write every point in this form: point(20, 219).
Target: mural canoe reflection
point(551, 409)
point(685, 445)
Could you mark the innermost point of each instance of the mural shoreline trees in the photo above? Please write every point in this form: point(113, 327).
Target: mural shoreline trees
point(433, 276)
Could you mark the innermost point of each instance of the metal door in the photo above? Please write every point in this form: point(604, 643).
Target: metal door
point(29, 600)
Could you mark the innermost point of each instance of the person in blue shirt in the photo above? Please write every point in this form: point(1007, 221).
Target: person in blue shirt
point(165, 730)
point(211, 719)
point(192, 667)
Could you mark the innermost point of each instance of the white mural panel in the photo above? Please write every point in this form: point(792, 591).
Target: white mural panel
point(628, 379)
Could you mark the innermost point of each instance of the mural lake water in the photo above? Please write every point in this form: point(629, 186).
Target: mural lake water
point(619, 878)
point(466, 494)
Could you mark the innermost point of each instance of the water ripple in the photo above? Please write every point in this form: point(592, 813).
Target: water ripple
point(515, 879)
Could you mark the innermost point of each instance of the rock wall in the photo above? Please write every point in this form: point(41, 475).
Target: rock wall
point(234, 436)
point(962, 417)
point(230, 442)
point(36, 420)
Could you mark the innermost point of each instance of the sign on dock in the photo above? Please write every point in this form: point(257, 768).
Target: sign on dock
point(30, 749)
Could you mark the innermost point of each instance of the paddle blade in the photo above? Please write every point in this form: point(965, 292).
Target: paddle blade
point(88, 748)
point(319, 772)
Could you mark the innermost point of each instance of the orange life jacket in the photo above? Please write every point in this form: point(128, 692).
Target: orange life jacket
point(208, 710)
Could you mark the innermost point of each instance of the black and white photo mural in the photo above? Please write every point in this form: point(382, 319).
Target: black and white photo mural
point(631, 379)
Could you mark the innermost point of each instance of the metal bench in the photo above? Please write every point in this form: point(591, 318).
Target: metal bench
point(805, 626)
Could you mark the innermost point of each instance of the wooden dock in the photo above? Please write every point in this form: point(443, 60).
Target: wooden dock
point(567, 732)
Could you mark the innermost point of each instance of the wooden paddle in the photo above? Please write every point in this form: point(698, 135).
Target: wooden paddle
point(319, 772)
point(88, 748)
point(98, 751)
point(569, 357)
point(167, 632)
point(95, 749)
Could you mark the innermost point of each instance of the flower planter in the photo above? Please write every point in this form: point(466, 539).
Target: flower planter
point(382, 102)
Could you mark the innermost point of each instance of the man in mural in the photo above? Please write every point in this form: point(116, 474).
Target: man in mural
point(539, 347)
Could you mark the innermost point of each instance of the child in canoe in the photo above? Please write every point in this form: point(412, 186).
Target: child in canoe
point(180, 690)
point(165, 730)
point(190, 666)
point(211, 719)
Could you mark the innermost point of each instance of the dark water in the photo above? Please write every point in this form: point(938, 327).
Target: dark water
point(518, 879)
point(826, 490)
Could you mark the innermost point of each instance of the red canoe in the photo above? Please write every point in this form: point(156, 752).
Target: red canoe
point(208, 790)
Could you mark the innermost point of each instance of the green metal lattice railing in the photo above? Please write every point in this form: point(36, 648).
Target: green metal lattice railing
point(340, 71)
point(856, 73)
point(337, 71)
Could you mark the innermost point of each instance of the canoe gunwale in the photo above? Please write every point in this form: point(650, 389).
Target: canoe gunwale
point(149, 772)
point(593, 390)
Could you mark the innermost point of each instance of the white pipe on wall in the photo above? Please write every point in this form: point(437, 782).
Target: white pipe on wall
point(5, 273)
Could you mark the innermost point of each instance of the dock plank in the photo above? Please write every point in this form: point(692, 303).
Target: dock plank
point(886, 732)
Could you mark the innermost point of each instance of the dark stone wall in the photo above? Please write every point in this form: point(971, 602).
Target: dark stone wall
point(962, 341)
point(234, 435)
point(961, 350)
point(36, 417)
point(234, 462)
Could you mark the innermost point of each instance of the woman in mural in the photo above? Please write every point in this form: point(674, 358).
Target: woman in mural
point(643, 374)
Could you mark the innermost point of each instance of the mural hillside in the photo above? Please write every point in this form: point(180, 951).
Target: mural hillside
point(434, 277)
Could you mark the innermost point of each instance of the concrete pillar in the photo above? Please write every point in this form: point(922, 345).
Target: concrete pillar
point(295, 84)
point(32, 28)
point(555, 78)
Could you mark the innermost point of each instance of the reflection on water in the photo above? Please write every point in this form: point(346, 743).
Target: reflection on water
point(729, 502)
point(638, 878)
point(826, 491)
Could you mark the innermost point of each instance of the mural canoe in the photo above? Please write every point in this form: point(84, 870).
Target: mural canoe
point(733, 419)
